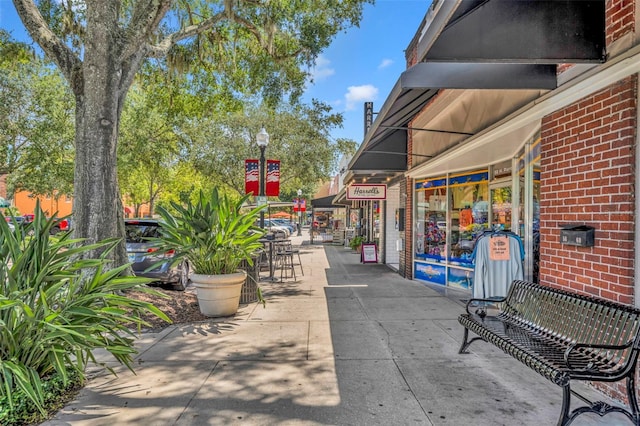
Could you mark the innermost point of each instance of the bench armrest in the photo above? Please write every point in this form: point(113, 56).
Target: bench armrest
point(480, 305)
point(590, 366)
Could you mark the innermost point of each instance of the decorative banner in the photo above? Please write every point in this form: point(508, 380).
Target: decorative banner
point(295, 205)
point(272, 188)
point(303, 205)
point(365, 191)
point(251, 177)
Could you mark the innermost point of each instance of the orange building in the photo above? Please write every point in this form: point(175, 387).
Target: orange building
point(25, 202)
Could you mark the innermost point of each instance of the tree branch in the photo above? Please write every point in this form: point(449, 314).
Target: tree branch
point(69, 63)
point(145, 19)
point(161, 49)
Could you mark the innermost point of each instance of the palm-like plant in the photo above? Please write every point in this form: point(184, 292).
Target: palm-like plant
point(215, 233)
point(56, 308)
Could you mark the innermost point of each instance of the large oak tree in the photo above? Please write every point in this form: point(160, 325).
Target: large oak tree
point(99, 46)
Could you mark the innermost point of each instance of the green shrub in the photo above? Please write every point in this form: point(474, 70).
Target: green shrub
point(22, 411)
point(215, 233)
point(356, 242)
point(56, 308)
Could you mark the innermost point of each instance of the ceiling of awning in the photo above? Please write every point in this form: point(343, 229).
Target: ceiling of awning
point(470, 112)
point(384, 149)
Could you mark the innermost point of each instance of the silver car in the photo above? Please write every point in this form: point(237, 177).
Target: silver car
point(143, 255)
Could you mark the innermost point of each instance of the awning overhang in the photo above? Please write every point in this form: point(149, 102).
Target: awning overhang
point(479, 44)
point(324, 202)
point(526, 31)
point(384, 150)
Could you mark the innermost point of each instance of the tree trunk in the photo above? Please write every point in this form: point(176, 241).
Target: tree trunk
point(97, 209)
point(151, 198)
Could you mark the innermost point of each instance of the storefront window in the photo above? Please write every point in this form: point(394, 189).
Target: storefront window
point(431, 219)
point(501, 208)
point(469, 214)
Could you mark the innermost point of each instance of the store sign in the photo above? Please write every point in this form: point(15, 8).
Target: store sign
point(368, 116)
point(367, 192)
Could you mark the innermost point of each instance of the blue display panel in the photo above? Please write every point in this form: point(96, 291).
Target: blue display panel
point(436, 274)
point(461, 278)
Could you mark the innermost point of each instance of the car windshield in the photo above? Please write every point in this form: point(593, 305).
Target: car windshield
point(141, 232)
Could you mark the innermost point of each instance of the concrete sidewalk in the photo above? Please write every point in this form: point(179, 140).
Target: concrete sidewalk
point(346, 344)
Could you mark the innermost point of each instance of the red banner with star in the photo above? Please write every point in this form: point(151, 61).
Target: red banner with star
point(251, 177)
point(272, 186)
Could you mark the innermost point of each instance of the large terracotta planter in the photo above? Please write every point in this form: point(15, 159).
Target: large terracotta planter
point(218, 295)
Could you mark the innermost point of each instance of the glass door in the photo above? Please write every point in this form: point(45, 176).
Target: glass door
point(501, 205)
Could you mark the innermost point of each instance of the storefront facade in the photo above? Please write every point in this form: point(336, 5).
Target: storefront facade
point(502, 148)
point(453, 210)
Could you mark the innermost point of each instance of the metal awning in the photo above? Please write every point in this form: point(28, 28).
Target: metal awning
point(324, 202)
point(525, 31)
point(479, 44)
point(385, 146)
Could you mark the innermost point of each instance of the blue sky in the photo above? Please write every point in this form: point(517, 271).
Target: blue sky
point(362, 64)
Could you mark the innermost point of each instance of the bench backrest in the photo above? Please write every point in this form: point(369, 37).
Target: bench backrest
point(573, 318)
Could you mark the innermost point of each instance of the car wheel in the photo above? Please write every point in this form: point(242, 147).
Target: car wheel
point(183, 279)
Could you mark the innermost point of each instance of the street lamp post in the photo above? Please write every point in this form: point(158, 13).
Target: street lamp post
point(299, 213)
point(262, 139)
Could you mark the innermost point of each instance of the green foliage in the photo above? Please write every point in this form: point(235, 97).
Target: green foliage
point(299, 138)
point(56, 308)
point(22, 411)
point(37, 126)
point(214, 233)
point(356, 242)
point(225, 50)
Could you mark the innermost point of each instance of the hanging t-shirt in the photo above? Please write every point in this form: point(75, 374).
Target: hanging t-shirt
point(498, 261)
point(466, 218)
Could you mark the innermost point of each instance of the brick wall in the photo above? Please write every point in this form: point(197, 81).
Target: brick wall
point(587, 161)
point(406, 256)
point(619, 19)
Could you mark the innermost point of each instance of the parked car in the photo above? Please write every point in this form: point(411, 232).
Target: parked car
point(143, 255)
point(279, 230)
point(63, 224)
point(286, 223)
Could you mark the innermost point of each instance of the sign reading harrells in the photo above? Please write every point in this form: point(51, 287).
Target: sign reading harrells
point(366, 191)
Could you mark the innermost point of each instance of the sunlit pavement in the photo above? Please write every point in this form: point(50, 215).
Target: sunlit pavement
point(345, 344)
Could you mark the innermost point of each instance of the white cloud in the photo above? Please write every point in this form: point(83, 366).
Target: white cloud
point(358, 94)
point(321, 70)
point(385, 63)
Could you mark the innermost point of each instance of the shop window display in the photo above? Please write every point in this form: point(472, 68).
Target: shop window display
point(469, 214)
point(431, 220)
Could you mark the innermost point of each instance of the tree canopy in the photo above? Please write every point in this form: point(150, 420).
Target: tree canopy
point(230, 48)
point(36, 132)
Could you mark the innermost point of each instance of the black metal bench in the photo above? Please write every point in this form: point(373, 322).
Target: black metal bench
point(564, 337)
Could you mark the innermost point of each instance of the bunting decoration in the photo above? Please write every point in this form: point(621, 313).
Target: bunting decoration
point(251, 177)
point(272, 185)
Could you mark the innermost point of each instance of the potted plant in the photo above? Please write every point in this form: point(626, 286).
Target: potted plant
point(356, 243)
point(215, 235)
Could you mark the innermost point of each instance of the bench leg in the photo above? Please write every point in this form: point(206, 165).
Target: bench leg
point(631, 395)
point(466, 342)
point(566, 404)
point(599, 407)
